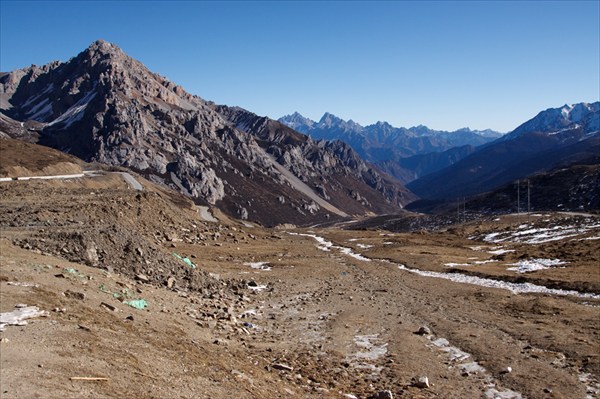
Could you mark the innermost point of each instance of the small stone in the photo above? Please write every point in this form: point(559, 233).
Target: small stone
point(108, 306)
point(171, 282)
point(382, 395)
point(424, 330)
point(283, 367)
point(142, 277)
point(4, 340)
point(74, 295)
point(129, 318)
point(85, 328)
point(91, 254)
point(506, 370)
point(421, 382)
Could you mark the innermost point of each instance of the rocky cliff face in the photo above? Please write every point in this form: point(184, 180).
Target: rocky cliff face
point(106, 107)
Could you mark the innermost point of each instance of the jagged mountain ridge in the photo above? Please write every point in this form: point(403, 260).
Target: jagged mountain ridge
point(314, 162)
point(104, 106)
point(387, 146)
point(549, 140)
point(382, 141)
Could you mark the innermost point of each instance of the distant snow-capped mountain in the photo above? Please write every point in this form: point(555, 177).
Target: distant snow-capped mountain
point(386, 145)
point(555, 137)
point(584, 118)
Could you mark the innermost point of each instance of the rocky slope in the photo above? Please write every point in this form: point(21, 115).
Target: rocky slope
point(104, 106)
point(574, 188)
point(554, 138)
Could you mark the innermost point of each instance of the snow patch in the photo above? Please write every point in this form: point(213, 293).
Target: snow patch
point(76, 112)
point(531, 265)
point(500, 251)
point(325, 245)
point(19, 316)
point(456, 264)
point(515, 288)
point(259, 265)
point(527, 235)
point(258, 288)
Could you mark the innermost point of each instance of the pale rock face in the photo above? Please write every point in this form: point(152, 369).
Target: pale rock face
point(107, 107)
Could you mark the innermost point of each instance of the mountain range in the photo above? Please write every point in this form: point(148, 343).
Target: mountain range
point(556, 137)
point(104, 106)
point(388, 147)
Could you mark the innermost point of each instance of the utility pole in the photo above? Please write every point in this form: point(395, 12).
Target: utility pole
point(528, 200)
point(518, 197)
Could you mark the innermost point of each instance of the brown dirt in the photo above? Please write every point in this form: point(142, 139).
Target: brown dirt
point(317, 310)
point(21, 159)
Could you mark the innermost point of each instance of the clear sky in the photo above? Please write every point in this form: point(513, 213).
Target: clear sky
point(443, 64)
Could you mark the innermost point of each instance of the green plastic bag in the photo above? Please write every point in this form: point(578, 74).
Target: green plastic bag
point(137, 303)
point(187, 261)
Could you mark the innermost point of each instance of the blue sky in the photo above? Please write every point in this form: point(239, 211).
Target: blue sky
point(442, 64)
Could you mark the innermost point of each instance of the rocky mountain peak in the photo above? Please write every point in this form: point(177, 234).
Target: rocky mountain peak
point(103, 47)
point(298, 122)
point(330, 119)
point(107, 107)
point(581, 117)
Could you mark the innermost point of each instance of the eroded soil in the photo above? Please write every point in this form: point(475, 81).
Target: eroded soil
point(269, 314)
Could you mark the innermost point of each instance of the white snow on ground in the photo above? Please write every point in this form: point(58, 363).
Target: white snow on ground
point(456, 264)
point(477, 262)
point(591, 238)
point(592, 385)
point(364, 246)
point(516, 288)
point(531, 265)
point(493, 393)
point(258, 288)
point(458, 356)
point(325, 245)
point(258, 265)
point(19, 316)
point(369, 351)
point(500, 251)
point(525, 234)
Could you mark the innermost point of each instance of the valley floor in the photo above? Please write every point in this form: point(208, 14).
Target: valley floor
point(291, 313)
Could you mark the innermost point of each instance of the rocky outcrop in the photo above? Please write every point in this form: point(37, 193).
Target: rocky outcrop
point(106, 107)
